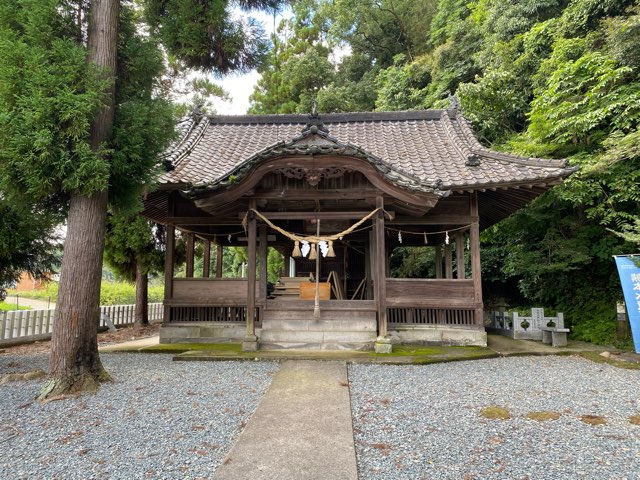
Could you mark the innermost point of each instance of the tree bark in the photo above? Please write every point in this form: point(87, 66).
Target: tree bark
point(74, 364)
point(142, 298)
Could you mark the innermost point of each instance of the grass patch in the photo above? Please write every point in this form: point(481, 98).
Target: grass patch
point(7, 307)
point(111, 293)
point(634, 419)
point(494, 412)
point(593, 419)
point(595, 357)
point(543, 416)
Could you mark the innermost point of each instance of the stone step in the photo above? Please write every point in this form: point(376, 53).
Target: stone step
point(328, 315)
point(336, 325)
point(315, 337)
point(316, 346)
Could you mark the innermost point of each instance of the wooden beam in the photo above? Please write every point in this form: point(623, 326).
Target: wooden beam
point(438, 261)
point(251, 278)
point(448, 261)
point(344, 215)
point(206, 258)
point(432, 219)
point(204, 220)
point(311, 194)
point(219, 253)
point(190, 252)
point(380, 281)
point(474, 240)
point(460, 266)
point(168, 269)
point(262, 255)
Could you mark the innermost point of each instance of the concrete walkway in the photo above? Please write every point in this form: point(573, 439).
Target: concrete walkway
point(301, 430)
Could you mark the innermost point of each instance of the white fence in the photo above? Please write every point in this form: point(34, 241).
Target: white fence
point(38, 324)
point(510, 324)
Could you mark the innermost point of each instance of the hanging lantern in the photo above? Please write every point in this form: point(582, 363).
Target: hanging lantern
point(296, 250)
point(313, 255)
point(331, 253)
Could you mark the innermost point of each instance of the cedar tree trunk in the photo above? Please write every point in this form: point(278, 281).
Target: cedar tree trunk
point(74, 364)
point(142, 298)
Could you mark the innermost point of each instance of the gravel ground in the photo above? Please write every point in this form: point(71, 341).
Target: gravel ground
point(159, 419)
point(425, 422)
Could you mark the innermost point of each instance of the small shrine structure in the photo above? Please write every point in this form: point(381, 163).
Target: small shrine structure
point(353, 186)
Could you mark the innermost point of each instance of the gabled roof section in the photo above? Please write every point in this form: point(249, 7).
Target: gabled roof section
point(425, 150)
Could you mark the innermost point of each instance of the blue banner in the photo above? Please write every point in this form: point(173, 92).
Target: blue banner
point(629, 271)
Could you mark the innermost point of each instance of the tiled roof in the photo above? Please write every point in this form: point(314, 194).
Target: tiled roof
point(417, 149)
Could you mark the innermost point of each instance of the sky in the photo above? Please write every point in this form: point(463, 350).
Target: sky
point(239, 86)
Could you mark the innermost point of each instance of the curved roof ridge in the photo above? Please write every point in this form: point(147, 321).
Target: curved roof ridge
point(188, 141)
point(480, 150)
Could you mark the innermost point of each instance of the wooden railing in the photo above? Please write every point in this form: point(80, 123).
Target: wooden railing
point(431, 302)
point(26, 325)
point(209, 300)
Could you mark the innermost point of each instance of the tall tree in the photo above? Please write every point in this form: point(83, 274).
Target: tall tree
point(134, 248)
point(80, 123)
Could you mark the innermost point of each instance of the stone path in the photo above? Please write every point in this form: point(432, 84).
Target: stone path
point(301, 430)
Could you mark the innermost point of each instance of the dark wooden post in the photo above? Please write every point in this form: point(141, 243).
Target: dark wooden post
point(206, 259)
point(250, 342)
point(368, 261)
point(219, 260)
point(438, 261)
point(190, 250)
point(448, 261)
point(383, 343)
point(474, 240)
point(287, 265)
point(262, 255)
point(168, 271)
point(460, 267)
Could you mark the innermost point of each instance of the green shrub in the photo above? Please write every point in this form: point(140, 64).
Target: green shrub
point(4, 306)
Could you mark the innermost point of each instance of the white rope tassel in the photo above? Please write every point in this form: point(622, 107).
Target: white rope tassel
point(446, 238)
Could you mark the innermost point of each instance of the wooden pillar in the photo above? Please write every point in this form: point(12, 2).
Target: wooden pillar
point(250, 342)
point(460, 267)
point(369, 253)
point(380, 282)
point(438, 261)
point(448, 261)
point(262, 255)
point(474, 241)
point(219, 260)
point(287, 265)
point(206, 259)
point(190, 250)
point(168, 270)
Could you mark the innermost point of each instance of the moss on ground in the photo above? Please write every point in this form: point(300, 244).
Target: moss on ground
point(596, 357)
point(543, 416)
point(199, 347)
point(495, 412)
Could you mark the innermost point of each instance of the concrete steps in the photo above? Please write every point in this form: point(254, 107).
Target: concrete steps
point(341, 326)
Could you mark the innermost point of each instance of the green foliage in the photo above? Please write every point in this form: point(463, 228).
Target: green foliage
point(132, 240)
point(205, 34)
point(48, 96)
point(27, 243)
point(111, 293)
